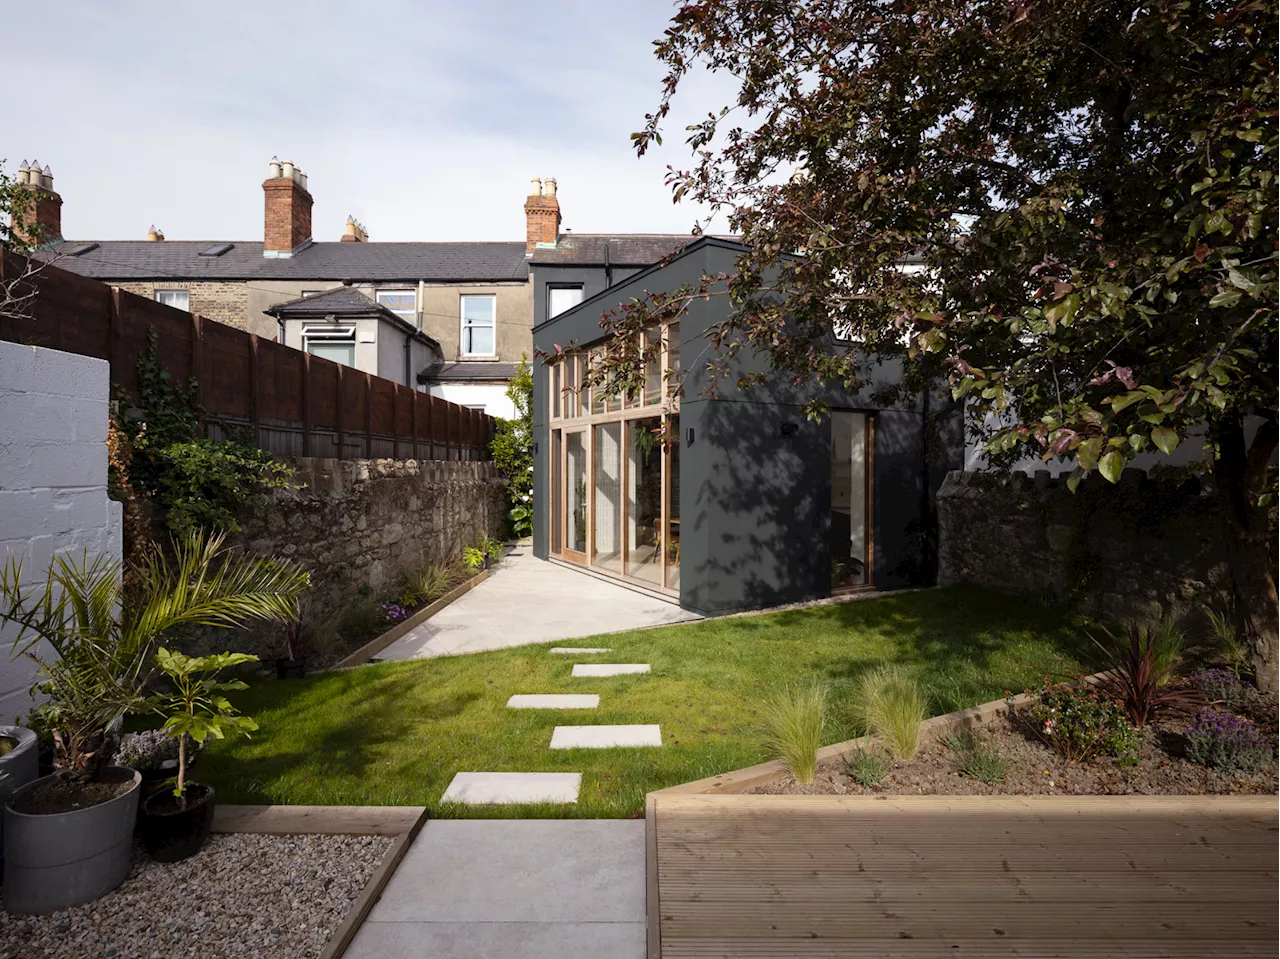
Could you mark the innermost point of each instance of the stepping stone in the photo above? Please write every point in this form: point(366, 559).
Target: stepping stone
point(487, 789)
point(602, 737)
point(553, 702)
point(609, 669)
point(584, 651)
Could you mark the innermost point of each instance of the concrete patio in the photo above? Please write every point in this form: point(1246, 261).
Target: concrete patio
point(527, 600)
point(519, 889)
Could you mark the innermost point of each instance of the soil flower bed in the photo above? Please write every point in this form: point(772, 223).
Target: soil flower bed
point(273, 897)
point(1162, 767)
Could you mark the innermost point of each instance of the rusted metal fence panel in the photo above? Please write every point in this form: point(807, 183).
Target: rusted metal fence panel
point(285, 401)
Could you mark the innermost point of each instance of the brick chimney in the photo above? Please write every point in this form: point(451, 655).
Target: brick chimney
point(41, 223)
point(356, 232)
point(288, 210)
point(541, 214)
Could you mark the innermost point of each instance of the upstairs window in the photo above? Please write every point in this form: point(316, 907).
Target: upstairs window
point(479, 322)
point(403, 303)
point(178, 299)
point(561, 298)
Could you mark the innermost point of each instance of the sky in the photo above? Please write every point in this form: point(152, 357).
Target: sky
point(423, 120)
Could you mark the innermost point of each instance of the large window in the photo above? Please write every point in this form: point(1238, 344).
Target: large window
point(178, 299)
point(479, 320)
point(403, 303)
point(615, 471)
point(561, 298)
point(337, 343)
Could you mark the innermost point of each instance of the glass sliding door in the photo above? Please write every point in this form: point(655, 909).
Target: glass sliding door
point(575, 489)
point(557, 492)
point(671, 484)
point(644, 500)
point(850, 501)
point(607, 504)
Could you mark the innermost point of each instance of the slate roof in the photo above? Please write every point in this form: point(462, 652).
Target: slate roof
point(464, 370)
point(625, 249)
point(181, 260)
point(344, 302)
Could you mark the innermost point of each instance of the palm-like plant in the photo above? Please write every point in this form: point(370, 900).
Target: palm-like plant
point(1137, 669)
point(102, 638)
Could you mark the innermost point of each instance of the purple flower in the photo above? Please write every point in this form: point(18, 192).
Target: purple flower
point(393, 612)
point(1227, 742)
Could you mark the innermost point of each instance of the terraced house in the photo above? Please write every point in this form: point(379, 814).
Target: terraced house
point(450, 318)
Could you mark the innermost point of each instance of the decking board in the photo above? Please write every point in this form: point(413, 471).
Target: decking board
point(907, 876)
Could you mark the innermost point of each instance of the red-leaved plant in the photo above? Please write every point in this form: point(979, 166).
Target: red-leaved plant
point(1136, 672)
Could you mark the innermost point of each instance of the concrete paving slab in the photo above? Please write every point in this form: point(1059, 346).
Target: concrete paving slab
point(579, 650)
point(519, 870)
point(487, 789)
point(527, 600)
point(552, 701)
point(507, 940)
point(605, 737)
point(609, 669)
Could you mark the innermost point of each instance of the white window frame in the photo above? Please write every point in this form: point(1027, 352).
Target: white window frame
point(331, 333)
point(186, 293)
point(463, 324)
point(412, 317)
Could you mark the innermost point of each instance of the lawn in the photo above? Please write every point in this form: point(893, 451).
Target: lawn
point(395, 733)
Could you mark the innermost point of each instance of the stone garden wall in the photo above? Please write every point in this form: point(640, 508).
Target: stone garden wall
point(364, 523)
point(1152, 542)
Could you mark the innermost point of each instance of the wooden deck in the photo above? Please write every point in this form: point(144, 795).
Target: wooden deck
point(916, 876)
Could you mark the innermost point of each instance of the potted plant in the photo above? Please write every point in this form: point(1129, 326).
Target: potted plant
point(176, 823)
point(69, 835)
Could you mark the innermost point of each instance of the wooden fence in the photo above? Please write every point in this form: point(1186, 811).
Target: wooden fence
point(294, 403)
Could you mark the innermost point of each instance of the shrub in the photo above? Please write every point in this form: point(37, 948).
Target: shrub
point(512, 448)
point(428, 583)
point(1225, 642)
point(1078, 724)
point(888, 703)
point(1138, 668)
point(1220, 685)
point(323, 635)
point(1227, 742)
point(794, 721)
point(867, 768)
point(360, 618)
point(393, 613)
point(974, 758)
point(148, 750)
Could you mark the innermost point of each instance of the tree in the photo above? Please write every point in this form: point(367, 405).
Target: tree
point(1088, 187)
point(512, 447)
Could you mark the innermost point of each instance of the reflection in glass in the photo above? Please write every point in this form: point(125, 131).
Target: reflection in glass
point(848, 499)
point(576, 492)
point(673, 501)
point(557, 491)
point(644, 500)
point(653, 369)
point(608, 501)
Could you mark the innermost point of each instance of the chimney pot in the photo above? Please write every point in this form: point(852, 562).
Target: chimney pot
point(551, 185)
point(535, 187)
point(45, 214)
point(274, 173)
point(286, 169)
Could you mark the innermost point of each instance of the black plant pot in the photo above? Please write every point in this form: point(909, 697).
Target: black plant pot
point(291, 668)
point(171, 833)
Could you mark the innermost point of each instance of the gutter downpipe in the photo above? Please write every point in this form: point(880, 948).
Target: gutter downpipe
point(608, 269)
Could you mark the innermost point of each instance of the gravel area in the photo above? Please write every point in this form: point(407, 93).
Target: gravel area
point(273, 897)
point(1035, 769)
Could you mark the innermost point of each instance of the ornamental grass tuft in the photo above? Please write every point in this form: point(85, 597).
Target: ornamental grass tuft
point(868, 768)
point(1227, 742)
point(794, 721)
point(889, 704)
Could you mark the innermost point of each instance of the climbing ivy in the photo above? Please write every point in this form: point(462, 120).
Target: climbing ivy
point(512, 448)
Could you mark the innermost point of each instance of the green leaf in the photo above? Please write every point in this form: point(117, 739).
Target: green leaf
point(1166, 439)
point(1088, 452)
point(1111, 465)
point(1073, 480)
point(1226, 298)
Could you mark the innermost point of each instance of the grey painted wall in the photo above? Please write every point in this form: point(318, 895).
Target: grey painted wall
point(755, 503)
point(53, 477)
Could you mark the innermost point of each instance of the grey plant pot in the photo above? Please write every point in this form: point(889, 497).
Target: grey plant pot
point(60, 860)
point(23, 763)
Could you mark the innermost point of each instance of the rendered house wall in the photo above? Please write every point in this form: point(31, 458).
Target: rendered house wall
point(53, 478)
